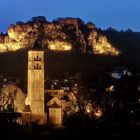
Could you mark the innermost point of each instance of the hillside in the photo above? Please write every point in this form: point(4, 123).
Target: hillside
point(62, 34)
point(70, 46)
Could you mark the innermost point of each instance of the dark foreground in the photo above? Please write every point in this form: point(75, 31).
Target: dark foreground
point(88, 132)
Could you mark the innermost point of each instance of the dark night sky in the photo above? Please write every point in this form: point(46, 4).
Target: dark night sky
point(119, 14)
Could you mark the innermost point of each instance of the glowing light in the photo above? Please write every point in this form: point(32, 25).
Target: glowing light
point(131, 111)
point(75, 85)
point(88, 110)
point(55, 83)
point(59, 46)
point(66, 80)
point(138, 88)
point(98, 112)
point(110, 89)
point(4, 79)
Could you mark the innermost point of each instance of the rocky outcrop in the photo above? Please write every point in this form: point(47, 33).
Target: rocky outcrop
point(63, 34)
point(100, 45)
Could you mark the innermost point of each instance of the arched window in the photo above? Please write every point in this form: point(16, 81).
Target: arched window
point(37, 66)
point(37, 58)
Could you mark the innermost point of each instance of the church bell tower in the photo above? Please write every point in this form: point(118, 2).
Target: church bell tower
point(36, 83)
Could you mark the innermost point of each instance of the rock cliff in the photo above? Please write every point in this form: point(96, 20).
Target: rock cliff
point(62, 34)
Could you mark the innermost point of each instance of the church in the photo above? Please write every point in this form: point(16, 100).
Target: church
point(41, 106)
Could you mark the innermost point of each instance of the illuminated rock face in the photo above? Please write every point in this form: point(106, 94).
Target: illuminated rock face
point(59, 46)
point(55, 116)
point(100, 45)
point(64, 34)
point(104, 47)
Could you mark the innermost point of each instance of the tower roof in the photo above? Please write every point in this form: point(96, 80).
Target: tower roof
point(26, 108)
point(37, 46)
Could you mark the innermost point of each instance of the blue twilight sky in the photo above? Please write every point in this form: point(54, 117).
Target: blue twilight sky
point(119, 14)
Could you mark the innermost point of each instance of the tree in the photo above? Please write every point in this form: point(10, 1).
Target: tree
point(19, 23)
point(38, 19)
point(12, 99)
point(81, 95)
point(91, 25)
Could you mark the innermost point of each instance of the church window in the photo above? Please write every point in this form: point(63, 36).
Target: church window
point(37, 66)
point(37, 58)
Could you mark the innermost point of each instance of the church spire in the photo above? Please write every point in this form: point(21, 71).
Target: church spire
point(37, 46)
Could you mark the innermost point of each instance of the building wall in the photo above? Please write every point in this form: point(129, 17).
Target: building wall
point(55, 116)
point(36, 85)
point(26, 118)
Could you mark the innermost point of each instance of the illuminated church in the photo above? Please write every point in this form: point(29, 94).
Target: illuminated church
point(41, 106)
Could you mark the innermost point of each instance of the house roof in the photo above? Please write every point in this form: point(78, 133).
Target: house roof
point(26, 108)
point(54, 105)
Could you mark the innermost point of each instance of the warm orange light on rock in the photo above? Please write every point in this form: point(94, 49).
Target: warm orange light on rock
point(88, 110)
point(101, 45)
point(59, 46)
point(104, 47)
